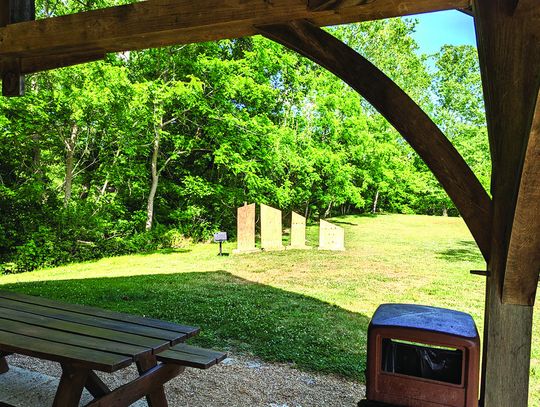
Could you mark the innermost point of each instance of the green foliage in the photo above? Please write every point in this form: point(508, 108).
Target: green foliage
point(149, 148)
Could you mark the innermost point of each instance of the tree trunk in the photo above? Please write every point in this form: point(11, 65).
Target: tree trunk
point(375, 202)
point(328, 210)
point(70, 154)
point(445, 211)
point(155, 179)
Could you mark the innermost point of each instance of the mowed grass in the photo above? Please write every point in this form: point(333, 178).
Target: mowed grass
point(308, 308)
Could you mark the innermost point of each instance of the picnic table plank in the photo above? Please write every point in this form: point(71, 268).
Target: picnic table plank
point(88, 310)
point(173, 337)
point(156, 345)
point(73, 339)
point(59, 352)
point(198, 361)
point(209, 353)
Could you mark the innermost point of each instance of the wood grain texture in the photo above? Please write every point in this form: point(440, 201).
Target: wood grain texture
point(99, 312)
point(191, 356)
point(157, 23)
point(317, 5)
point(509, 51)
point(59, 352)
point(67, 338)
point(156, 345)
point(245, 226)
point(403, 113)
point(94, 321)
point(523, 261)
point(43, 63)
point(271, 228)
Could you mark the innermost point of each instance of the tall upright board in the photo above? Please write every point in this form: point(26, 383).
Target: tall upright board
point(331, 237)
point(246, 229)
point(271, 228)
point(298, 232)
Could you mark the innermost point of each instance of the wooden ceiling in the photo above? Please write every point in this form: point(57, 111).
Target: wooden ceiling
point(66, 40)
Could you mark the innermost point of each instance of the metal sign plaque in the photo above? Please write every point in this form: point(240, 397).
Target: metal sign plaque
point(220, 237)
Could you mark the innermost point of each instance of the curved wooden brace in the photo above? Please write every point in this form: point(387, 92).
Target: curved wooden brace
point(402, 112)
point(523, 261)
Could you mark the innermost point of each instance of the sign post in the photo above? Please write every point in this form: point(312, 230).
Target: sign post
point(220, 237)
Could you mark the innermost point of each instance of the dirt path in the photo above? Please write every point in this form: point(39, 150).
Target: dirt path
point(239, 382)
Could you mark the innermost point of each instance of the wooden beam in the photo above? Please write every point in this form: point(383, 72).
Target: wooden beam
point(402, 112)
point(509, 51)
point(317, 5)
point(157, 23)
point(38, 64)
point(523, 261)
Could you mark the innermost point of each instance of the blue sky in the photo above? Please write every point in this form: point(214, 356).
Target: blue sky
point(445, 27)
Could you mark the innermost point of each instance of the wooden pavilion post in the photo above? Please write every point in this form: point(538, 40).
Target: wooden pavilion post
point(11, 12)
point(508, 34)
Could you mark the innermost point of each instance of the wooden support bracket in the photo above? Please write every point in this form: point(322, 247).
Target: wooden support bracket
point(402, 112)
point(148, 383)
point(523, 260)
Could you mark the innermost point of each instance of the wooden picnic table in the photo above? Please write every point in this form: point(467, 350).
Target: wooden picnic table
point(86, 339)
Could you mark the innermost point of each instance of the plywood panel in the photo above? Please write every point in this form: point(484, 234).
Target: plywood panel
point(331, 237)
point(271, 228)
point(298, 232)
point(246, 229)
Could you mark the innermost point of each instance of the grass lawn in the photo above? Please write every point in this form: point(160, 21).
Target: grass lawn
point(309, 308)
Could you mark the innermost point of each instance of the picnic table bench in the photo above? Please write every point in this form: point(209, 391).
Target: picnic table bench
point(86, 339)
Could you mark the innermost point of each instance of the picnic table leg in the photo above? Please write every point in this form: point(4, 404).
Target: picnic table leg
point(157, 398)
point(4, 367)
point(71, 386)
point(95, 385)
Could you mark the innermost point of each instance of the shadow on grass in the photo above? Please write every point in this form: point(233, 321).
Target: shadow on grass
point(340, 222)
point(233, 313)
point(167, 250)
point(465, 251)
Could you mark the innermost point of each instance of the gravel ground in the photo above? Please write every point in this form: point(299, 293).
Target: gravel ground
point(236, 382)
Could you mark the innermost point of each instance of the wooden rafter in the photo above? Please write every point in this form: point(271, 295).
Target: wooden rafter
point(157, 23)
point(523, 261)
point(402, 112)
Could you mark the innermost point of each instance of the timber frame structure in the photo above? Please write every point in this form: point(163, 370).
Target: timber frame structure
point(506, 226)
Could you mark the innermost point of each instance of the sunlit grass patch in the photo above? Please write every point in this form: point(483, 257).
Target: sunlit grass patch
point(309, 308)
